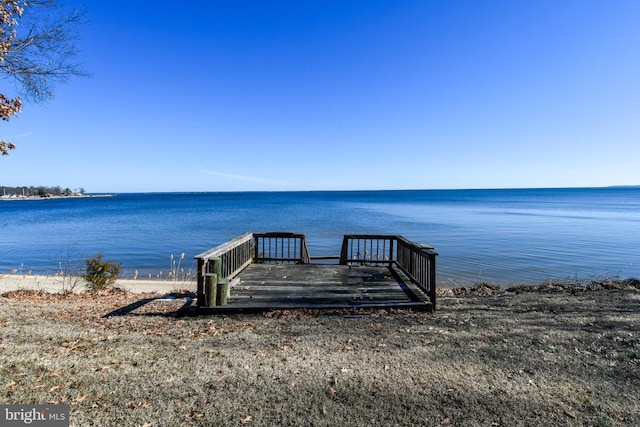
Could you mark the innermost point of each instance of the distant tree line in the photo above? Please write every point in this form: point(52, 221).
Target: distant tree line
point(41, 191)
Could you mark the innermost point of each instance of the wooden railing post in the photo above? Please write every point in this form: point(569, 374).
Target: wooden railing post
point(217, 267)
point(200, 277)
point(344, 250)
point(432, 279)
point(412, 265)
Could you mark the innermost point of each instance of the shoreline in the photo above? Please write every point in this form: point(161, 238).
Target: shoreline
point(75, 284)
point(24, 198)
point(62, 284)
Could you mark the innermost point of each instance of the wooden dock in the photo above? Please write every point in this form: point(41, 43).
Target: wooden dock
point(260, 272)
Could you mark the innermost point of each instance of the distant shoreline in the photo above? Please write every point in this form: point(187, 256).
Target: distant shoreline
point(79, 196)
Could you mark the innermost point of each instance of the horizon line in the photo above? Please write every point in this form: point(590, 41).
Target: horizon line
point(362, 190)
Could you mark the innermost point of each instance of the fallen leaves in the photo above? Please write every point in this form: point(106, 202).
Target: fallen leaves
point(42, 296)
point(335, 360)
point(55, 388)
point(70, 345)
point(80, 399)
point(195, 414)
point(55, 373)
point(138, 405)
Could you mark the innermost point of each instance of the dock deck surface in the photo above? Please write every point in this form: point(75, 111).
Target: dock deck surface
point(262, 287)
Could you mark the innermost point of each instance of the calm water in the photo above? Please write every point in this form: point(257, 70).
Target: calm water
point(481, 235)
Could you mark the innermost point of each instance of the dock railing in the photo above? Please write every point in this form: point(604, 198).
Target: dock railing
point(281, 248)
point(235, 255)
point(367, 249)
point(416, 261)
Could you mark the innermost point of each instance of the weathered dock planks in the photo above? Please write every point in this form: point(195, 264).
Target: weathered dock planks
point(274, 271)
point(263, 287)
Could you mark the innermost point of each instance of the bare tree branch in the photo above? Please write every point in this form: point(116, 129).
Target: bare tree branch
point(37, 51)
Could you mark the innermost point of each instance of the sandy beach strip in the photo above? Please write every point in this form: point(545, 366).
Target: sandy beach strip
point(59, 284)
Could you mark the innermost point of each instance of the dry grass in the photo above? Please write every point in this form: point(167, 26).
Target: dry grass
point(557, 356)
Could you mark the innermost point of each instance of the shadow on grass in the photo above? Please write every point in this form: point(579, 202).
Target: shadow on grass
point(130, 310)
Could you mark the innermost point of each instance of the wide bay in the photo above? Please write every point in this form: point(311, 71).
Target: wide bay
point(504, 236)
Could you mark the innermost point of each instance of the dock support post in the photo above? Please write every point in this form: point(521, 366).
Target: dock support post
point(210, 289)
point(223, 292)
point(218, 292)
point(200, 277)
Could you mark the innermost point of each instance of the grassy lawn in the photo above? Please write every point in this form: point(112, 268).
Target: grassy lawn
point(552, 355)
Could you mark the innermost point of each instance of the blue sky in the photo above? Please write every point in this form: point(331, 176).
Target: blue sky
point(323, 95)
